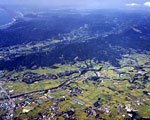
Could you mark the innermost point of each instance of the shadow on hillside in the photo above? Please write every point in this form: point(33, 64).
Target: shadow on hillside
point(65, 53)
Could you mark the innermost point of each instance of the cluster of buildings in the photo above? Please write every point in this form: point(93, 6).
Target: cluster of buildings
point(81, 34)
point(127, 109)
point(74, 91)
point(95, 112)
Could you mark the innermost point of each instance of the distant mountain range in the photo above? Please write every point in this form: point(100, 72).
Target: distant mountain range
point(88, 35)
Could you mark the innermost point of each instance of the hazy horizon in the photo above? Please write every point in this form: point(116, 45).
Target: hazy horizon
point(81, 3)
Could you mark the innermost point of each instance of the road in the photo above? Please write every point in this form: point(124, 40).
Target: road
point(10, 102)
point(59, 86)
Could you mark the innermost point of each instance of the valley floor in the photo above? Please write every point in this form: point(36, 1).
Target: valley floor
point(82, 90)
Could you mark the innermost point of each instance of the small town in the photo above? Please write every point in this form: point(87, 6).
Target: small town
point(71, 91)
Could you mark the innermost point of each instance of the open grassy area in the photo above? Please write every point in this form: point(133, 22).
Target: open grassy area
point(21, 87)
point(59, 68)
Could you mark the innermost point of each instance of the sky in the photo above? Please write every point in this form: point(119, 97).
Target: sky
point(88, 3)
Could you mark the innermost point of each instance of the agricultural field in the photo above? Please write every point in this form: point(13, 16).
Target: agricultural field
point(86, 88)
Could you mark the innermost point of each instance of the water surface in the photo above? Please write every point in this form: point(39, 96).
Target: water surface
point(4, 18)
